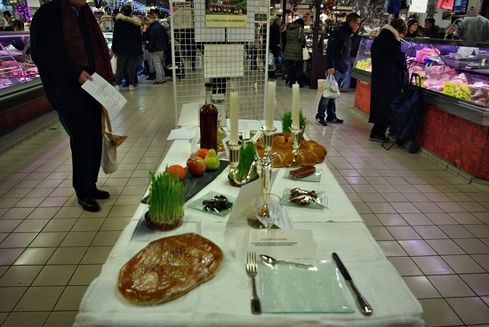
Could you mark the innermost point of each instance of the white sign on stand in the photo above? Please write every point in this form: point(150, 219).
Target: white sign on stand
point(418, 6)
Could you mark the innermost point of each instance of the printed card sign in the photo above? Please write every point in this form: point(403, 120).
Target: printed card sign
point(226, 13)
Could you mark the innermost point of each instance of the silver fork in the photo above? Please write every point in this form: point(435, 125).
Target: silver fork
point(251, 271)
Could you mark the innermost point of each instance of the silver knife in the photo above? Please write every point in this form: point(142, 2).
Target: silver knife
point(365, 307)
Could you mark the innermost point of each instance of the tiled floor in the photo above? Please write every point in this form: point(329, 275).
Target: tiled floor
point(432, 224)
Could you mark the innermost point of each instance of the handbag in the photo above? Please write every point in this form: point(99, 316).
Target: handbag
point(110, 142)
point(331, 88)
point(113, 64)
point(305, 54)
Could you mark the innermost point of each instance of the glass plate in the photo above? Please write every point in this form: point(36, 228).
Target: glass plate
point(321, 202)
point(290, 289)
point(197, 204)
point(316, 177)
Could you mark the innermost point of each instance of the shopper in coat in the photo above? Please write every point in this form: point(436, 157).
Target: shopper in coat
point(338, 57)
point(67, 48)
point(158, 45)
point(127, 46)
point(293, 51)
point(388, 75)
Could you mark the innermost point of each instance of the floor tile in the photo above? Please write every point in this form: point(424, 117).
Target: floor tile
point(482, 259)
point(10, 297)
point(17, 213)
point(67, 256)
point(106, 238)
point(463, 264)
point(430, 232)
point(432, 265)
point(71, 298)
point(85, 274)
point(404, 207)
point(445, 246)
point(43, 213)
point(31, 299)
point(57, 275)
point(96, 255)
point(381, 207)
point(78, 239)
point(451, 286)
point(456, 231)
point(115, 224)
point(441, 218)
point(392, 249)
point(26, 319)
point(450, 207)
point(426, 207)
point(465, 218)
point(61, 318)
point(421, 287)
point(417, 248)
point(35, 256)
point(437, 312)
point(391, 219)
point(69, 212)
point(8, 256)
point(471, 309)
point(472, 245)
point(20, 275)
point(405, 266)
point(403, 233)
point(478, 230)
point(31, 225)
point(18, 240)
point(478, 282)
point(416, 219)
point(59, 225)
point(48, 239)
point(8, 225)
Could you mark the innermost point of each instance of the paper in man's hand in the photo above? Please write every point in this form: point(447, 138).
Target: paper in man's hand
point(104, 92)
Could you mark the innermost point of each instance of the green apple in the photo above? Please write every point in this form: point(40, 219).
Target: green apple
point(211, 160)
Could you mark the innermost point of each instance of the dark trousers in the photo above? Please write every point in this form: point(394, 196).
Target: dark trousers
point(126, 63)
point(294, 71)
point(327, 106)
point(84, 127)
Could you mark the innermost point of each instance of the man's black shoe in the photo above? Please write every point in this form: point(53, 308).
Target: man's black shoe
point(89, 204)
point(101, 195)
point(321, 122)
point(334, 120)
point(377, 138)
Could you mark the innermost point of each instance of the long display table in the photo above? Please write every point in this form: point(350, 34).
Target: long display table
point(225, 300)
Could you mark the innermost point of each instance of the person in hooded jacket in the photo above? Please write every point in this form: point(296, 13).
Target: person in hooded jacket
point(157, 47)
point(127, 46)
point(293, 51)
point(388, 74)
point(338, 56)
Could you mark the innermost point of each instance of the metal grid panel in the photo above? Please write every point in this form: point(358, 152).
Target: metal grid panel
point(232, 59)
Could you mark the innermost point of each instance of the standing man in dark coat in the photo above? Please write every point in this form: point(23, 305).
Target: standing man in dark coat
point(157, 47)
point(68, 47)
point(127, 46)
point(293, 51)
point(388, 72)
point(337, 63)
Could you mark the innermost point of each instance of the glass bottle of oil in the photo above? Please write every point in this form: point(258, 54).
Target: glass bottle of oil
point(208, 121)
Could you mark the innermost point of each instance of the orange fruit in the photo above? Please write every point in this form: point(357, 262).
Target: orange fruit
point(202, 152)
point(177, 170)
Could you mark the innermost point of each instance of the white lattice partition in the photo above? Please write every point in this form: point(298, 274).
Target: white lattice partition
point(232, 58)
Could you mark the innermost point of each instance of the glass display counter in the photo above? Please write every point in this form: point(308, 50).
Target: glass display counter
point(455, 91)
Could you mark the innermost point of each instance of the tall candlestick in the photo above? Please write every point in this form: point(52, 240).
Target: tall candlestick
point(270, 106)
point(233, 117)
point(295, 106)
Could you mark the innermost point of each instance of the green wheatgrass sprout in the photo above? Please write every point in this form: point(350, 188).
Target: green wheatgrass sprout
point(287, 121)
point(246, 159)
point(167, 197)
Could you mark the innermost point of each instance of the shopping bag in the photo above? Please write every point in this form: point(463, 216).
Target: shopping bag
point(113, 63)
point(331, 89)
point(110, 142)
point(305, 54)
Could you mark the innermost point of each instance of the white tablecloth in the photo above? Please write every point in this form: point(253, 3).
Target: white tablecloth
point(225, 300)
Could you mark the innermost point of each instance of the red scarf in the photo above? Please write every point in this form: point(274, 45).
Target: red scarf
point(75, 47)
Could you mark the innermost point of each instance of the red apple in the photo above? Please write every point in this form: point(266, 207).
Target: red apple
point(202, 152)
point(196, 166)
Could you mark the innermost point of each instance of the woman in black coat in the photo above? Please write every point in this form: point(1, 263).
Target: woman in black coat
point(388, 72)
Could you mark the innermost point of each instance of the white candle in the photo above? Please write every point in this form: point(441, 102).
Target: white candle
point(270, 106)
point(233, 117)
point(295, 106)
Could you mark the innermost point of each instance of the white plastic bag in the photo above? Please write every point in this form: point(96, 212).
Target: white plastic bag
point(331, 88)
point(305, 54)
point(113, 63)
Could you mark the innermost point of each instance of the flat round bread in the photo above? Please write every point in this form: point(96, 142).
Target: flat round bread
point(168, 268)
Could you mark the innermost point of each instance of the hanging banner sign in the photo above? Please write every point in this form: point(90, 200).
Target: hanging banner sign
point(418, 6)
point(226, 13)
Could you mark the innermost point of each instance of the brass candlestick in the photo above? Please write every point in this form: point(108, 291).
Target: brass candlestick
point(297, 132)
point(234, 151)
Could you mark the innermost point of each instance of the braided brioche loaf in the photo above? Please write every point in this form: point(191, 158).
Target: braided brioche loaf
point(310, 152)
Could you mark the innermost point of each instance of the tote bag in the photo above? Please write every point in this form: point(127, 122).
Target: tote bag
point(110, 142)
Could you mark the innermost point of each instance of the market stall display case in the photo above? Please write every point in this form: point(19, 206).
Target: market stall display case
point(455, 85)
point(21, 93)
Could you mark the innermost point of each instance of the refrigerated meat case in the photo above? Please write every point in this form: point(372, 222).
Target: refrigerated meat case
point(22, 96)
point(455, 91)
